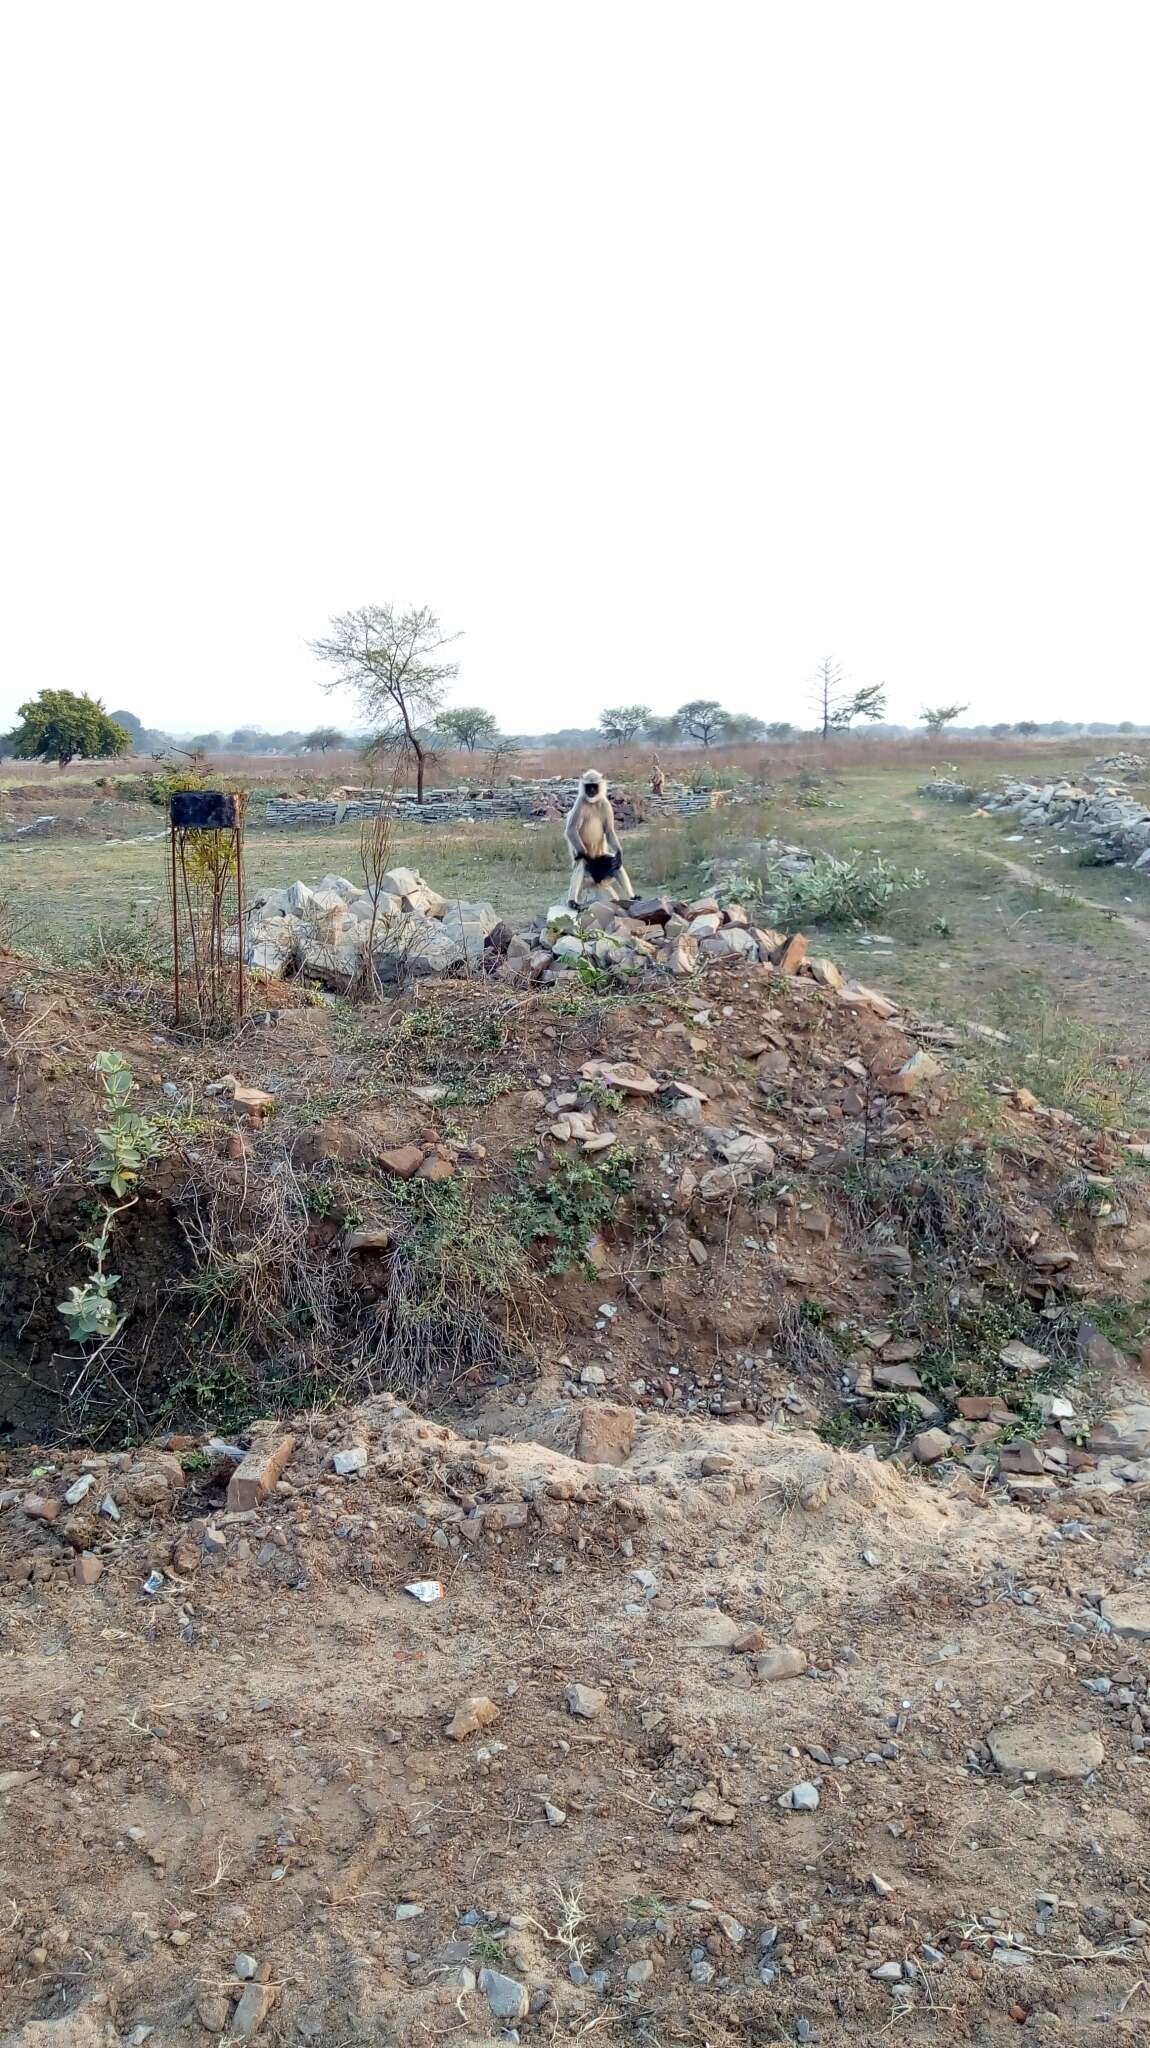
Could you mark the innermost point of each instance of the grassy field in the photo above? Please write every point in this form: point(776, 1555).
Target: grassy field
point(977, 942)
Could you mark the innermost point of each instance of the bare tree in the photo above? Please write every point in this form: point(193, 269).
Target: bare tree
point(501, 751)
point(393, 661)
point(838, 707)
point(376, 840)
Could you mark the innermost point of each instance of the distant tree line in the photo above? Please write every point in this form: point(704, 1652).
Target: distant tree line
point(394, 662)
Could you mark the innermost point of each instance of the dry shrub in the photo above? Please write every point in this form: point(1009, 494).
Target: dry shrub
point(934, 1202)
point(453, 1292)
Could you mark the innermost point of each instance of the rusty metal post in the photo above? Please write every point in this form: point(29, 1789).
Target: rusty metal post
point(175, 923)
point(241, 935)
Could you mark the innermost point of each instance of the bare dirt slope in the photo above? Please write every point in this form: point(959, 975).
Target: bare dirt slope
point(789, 1676)
point(237, 1744)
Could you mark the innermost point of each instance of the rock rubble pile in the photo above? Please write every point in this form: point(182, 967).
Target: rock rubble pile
point(332, 931)
point(1115, 823)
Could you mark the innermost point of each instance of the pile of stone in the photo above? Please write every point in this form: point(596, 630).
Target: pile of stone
point(1119, 764)
point(653, 931)
point(331, 931)
point(734, 876)
point(949, 789)
point(1114, 822)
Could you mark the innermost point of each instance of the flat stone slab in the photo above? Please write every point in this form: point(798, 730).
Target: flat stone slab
point(1050, 1748)
point(1128, 1614)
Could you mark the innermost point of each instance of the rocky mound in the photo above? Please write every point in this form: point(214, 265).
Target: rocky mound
point(750, 1645)
point(341, 935)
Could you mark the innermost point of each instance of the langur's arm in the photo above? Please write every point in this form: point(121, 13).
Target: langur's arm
point(571, 835)
point(609, 832)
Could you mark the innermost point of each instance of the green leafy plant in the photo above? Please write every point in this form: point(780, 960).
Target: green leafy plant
point(603, 1097)
point(162, 784)
point(562, 1213)
point(832, 891)
point(125, 1143)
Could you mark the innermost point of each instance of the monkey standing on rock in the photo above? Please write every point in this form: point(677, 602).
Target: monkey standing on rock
point(590, 833)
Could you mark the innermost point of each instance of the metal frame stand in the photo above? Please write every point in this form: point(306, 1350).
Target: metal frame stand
point(207, 850)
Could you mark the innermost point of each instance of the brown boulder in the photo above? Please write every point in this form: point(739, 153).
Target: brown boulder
point(404, 1161)
point(793, 954)
point(606, 1434)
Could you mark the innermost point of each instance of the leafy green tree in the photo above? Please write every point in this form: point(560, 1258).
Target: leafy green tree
point(702, 719)
point(60, 726)
point(322, 738)
point(665, 732)
point(623, 722)
point(781, 729)
point(1026, 728)
point(468, 726)
point(743, 725)
point(941, 716)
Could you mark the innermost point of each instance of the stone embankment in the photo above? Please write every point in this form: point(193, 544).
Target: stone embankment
point(1115, 823)
point(523, 800)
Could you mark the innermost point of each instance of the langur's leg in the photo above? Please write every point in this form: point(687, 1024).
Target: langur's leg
point(578, 884)
point(626, 892)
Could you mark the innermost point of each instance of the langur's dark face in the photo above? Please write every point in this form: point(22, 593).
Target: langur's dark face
point(592, 786)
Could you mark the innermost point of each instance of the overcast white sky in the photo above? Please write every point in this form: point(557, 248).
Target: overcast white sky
point(661, 347)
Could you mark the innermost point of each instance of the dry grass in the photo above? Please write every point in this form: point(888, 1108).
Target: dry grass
point(756, 761)
point(456, 1297)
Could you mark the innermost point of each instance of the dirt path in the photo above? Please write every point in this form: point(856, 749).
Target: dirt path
point(1140, 926)
point(1084, 963)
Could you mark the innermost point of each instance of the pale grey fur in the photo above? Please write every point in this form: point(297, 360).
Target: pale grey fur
point(590, 830)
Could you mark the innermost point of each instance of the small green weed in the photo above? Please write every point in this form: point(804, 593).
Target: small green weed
point(222, 1391)
point(604, 1098)
point(459, 1285)
point(936, 1200)
point(846, 1430)
point(562, 1213)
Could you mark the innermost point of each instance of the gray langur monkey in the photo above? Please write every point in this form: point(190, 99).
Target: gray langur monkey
point(596, 854)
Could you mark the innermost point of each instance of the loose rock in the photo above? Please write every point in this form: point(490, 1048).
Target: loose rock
point(585, 1701)
point(1045, 1748)
point(470, 1716)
